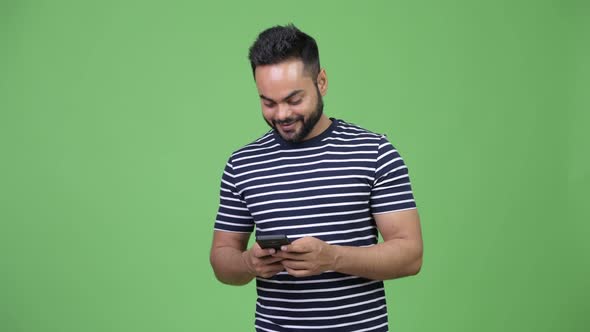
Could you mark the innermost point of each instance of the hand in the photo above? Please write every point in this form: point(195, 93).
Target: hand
point(307, 256)
point(260, 262)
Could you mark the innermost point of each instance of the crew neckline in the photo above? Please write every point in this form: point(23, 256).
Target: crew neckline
point(308, 143)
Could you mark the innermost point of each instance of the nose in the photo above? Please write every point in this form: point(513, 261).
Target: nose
point(283, 112)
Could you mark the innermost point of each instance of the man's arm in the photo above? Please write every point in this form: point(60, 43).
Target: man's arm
point(399, 255)
point(235, 265)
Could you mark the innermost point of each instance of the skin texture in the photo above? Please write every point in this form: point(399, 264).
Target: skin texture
point(289, 98)
point(399, 255)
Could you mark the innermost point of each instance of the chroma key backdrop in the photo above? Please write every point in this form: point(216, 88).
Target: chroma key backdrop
point(117, 118)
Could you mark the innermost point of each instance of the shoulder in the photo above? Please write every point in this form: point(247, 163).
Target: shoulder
point(266, 142)
point(378, 143)
point(344, 127)
point(346, 131)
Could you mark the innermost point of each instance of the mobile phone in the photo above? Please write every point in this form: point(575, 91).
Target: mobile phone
point(272, 241)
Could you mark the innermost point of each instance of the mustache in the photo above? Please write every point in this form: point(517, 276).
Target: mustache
point(287, 120)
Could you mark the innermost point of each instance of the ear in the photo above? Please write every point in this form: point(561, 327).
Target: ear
point(322, 82)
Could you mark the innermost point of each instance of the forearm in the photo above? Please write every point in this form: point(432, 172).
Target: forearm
point(229, 266)
point(392, 259)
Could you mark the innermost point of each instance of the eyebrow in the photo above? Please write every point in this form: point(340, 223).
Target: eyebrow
point(284, 99)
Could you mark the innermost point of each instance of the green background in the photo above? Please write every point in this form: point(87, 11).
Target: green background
point(117, 118)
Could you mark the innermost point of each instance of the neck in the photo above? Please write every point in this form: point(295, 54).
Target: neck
point(319, 127)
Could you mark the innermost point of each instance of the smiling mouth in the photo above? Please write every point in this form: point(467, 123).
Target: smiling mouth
point(287, 126)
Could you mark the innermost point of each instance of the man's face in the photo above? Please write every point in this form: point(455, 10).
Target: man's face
point(290, 99)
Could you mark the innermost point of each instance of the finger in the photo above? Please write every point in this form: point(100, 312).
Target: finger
point(303, 244)
point(272, 267)
point(298, 273)
point(290, 255)
point(296, 248)
point(295, 265)
point(259, 252)
point(270, 260)
point(271, 270)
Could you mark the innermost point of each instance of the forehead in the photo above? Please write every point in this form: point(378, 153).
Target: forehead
point(280, 79)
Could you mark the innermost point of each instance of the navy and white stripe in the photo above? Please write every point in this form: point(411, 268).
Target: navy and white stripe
point(328, 187)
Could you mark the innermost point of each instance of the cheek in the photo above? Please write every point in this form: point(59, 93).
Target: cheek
point(267, 113)
point(304, 109)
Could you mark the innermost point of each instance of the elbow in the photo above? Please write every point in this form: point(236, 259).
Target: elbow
point(218, 270)
point(217, 267)
point(225, 275)
point(232, 281)
point(416, 267)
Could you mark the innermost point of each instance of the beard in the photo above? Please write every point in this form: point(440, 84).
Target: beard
point(308, 124)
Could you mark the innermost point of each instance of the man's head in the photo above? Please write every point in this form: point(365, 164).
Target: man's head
point(281, 43)
point(286, 67)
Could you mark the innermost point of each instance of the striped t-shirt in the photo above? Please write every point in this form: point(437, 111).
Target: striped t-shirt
point(327, 187)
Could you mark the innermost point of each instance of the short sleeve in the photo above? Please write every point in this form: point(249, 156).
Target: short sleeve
point(391, 189)
point(233, 214)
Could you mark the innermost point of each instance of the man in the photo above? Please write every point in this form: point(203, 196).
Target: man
point(330, 187)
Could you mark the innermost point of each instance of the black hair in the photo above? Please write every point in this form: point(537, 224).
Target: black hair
point(280, 43)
